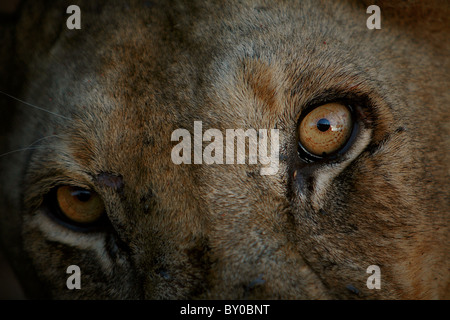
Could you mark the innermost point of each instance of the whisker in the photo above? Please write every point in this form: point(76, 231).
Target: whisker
point(36, 107)
point(30, 147)
point(24, 149)
point(43, 138)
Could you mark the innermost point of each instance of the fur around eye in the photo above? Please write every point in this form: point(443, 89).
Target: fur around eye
point(325, 130)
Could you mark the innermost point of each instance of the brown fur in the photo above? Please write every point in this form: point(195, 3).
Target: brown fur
point(136, 72)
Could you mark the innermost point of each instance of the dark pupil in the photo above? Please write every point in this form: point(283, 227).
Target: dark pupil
point(323, 125)
point(82, 195)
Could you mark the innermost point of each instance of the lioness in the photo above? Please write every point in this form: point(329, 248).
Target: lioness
point(362, 115)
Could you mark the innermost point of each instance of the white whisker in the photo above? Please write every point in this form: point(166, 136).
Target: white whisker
point(43, 138)
point(23, 149)
point(30, 147)
point(36, 107)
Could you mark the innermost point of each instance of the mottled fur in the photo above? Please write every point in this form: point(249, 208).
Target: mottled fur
point(135, 72)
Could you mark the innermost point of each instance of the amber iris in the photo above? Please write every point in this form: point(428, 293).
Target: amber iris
point(326, 129)
point(80, 205)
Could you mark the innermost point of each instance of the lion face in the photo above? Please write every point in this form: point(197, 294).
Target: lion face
point(362, 178)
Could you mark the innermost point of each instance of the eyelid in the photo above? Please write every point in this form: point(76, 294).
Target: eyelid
point(338, 95)
point(43, 184)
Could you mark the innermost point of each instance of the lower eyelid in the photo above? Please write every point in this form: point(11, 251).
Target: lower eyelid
point(55, 232)
point(361, 139)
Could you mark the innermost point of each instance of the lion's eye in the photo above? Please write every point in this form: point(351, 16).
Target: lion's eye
point(79, 205)
point(326, 129)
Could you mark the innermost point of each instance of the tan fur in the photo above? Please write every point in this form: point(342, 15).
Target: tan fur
point(136, 72)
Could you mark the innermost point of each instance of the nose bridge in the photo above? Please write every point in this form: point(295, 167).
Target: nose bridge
point(256, 260)
point(172, 261)
point(170, 244)
point(253, 248)
point(206, 249)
